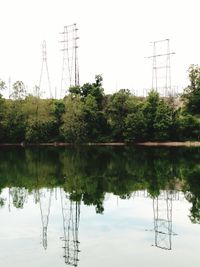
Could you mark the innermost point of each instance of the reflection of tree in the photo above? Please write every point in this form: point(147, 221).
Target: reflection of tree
point(100, 170)
point(19, 196)
point(192, 191)
point(71, 217)
point(2, 202)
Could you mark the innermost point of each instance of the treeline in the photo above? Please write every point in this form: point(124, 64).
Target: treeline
point(87, 114)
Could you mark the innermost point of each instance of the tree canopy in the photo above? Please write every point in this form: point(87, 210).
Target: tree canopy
point(87, 114)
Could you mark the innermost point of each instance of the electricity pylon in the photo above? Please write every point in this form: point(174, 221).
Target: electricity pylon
point(44, 197)
point(70, 68)
point(161, 67)
point(45, 70)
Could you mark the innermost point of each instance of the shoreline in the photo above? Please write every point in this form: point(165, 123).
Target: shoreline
point(146, 144)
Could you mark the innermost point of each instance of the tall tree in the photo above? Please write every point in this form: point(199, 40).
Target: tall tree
point(191, 94)
point(74, 127)
point(2, 110)
point(40, 119)
point(150, 111)
point(117, 110)
point(19, 91)
point(163, 121)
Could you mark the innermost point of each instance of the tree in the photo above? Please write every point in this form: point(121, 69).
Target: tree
point(191, 96)
point(117, 110)
point(40, 119)
point(58, 111)
point(94, 89)
point(163, 121)
point(2, 85)
point(150, 111)
point(19, 91)
point(189, 127)
point(135, 126)
point(14, 121)
point(2, 115)
point(160, 117)
point(74, 127)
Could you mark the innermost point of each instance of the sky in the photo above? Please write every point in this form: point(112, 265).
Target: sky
point(115, 38)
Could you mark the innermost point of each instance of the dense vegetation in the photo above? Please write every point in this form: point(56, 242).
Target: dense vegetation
point(86, 114)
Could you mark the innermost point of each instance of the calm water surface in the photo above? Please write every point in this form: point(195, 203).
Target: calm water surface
point(98, 206)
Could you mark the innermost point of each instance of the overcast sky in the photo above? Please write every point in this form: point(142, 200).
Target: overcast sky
point(114, 39)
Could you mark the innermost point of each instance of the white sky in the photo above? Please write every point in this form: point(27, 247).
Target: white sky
point(114, 39)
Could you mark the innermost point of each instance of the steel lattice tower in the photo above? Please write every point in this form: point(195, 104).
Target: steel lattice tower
point(162, 210)
point(71, 217)
point(44, 69)
point(44, 197)
point(161, 67)
point(70, 67)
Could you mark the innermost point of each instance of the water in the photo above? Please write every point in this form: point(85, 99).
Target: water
point(99, 206)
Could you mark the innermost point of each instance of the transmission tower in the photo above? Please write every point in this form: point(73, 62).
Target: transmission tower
point(161, 67)
point(162, 210)
point(71, 217)
point(44, 198)
point(70, 68)
point(44, 68)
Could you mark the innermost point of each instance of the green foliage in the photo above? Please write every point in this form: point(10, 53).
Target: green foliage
point(160, 118)
point(2, 113)
point(39, 119)
point(14, 121)
point(74, 127)
point(2, 85)
point(135, 126)
point(150, 112)
point(191, 95)
point(163, 121)
point(94, 89)
point(58, 110)
point(117, 110)
point(189, 127)
point(86, 114)
point(19, 91)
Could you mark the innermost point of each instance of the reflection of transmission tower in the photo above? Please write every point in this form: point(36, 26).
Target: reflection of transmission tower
point(44, 197)
point(45, 68)
point(162, 208)
point(70, 69)
point(161, 68)
point(71, 216)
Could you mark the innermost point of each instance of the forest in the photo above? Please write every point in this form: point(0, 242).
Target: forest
point(86, 114)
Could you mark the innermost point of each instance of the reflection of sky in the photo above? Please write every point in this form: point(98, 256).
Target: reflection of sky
point(122, 236)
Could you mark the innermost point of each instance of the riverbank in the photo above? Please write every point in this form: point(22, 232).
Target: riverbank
point(149, 144)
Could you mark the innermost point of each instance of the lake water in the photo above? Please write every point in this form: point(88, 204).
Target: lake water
point(99, 206)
